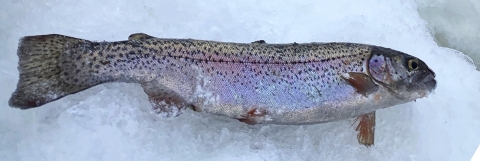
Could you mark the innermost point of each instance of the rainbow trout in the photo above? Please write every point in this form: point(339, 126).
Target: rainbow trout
point(297, 83)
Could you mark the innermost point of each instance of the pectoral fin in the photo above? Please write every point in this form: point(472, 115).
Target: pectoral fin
point(366, 129)
point(361, 82)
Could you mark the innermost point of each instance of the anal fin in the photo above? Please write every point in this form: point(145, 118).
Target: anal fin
point(164, 100)
point(253, 116)
point(366, 129)
point(361, 82)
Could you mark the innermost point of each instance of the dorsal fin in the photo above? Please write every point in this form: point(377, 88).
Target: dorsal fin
point(139, 36)
point(259, 42)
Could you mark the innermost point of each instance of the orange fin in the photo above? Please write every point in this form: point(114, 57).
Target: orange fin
point(164, 100)
point(361, 82)
point(254, 116)
point(366, 129)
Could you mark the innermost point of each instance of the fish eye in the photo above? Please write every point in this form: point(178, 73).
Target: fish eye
point(413, 64)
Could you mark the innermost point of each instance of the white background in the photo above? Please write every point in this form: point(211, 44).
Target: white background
point(114, 122)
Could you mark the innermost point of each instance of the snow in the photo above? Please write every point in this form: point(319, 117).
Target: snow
point(454, 24)
point(113, 121)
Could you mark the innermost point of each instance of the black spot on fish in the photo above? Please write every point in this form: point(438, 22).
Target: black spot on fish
point(105, 62)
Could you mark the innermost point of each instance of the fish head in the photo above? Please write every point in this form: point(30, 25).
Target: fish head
point(405, 76)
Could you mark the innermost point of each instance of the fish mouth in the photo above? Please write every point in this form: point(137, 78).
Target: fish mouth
point(431, 84)
point(423, 81)
point(429, 81)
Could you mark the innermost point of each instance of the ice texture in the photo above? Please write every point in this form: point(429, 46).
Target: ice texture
point(454, 24)
point(114, 122)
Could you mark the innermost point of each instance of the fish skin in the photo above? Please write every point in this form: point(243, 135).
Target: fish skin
point(298, 83)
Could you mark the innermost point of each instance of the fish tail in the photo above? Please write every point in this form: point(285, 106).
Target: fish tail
point(45, 70)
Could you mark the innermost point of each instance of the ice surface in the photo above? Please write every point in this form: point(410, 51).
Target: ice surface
point(113, 121)
point(454, 24)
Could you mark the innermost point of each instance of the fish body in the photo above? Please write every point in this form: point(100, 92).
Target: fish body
point(297, 83)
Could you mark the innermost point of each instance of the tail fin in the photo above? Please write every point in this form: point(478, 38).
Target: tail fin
point(42, 79)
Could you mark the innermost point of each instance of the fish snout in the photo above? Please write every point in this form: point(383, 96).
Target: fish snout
point(429, 79)
point(422, 81)
point(430, 82)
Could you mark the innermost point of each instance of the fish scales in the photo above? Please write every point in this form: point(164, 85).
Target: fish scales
point(279, 78)
point(296, 83)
